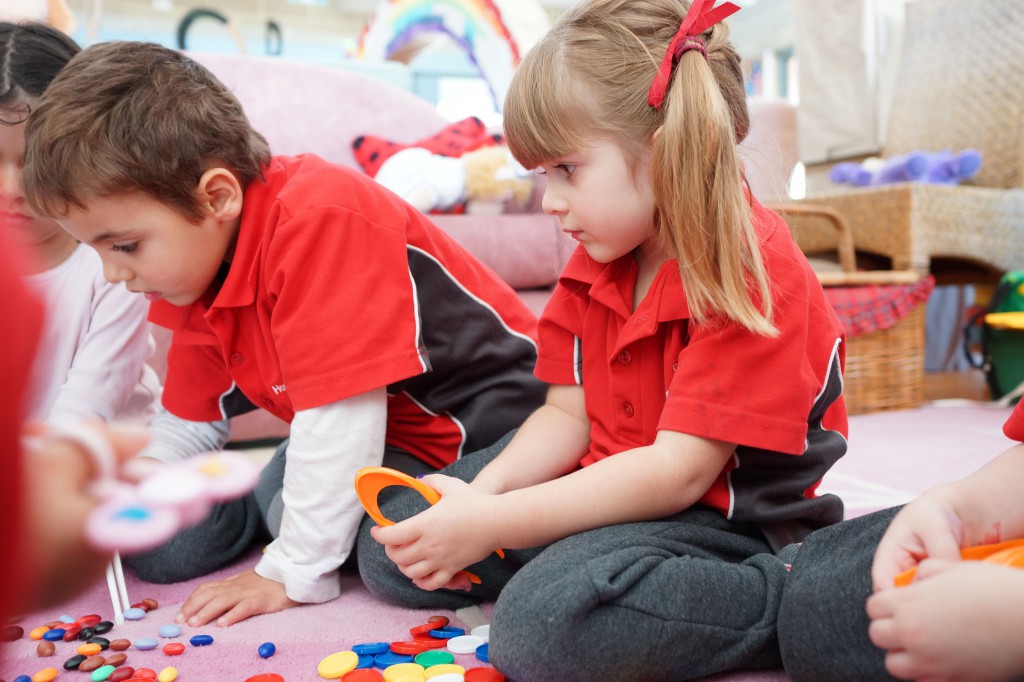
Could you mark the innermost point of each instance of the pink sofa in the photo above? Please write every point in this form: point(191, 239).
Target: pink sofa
point(307, 108)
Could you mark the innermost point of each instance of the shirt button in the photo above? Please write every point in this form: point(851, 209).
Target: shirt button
point(267, 403)
point(628, 409)
point(625, 358)
point(237, 358)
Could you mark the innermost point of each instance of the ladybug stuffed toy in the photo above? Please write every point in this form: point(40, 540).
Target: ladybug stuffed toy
point(462, 168)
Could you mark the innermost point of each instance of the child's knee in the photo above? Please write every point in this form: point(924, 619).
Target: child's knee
point(532, 632)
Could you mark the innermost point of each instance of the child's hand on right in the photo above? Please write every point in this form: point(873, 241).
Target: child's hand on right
point(959, 620)
point(928, 527)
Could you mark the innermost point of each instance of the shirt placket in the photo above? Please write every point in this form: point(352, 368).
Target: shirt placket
point(625, 371)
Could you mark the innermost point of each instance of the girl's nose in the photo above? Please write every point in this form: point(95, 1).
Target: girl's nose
point(552, 203)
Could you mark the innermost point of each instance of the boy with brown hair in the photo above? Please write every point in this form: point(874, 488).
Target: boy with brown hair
point(290, 284)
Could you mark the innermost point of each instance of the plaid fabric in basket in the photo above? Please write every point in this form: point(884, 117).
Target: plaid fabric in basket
point(870, 308)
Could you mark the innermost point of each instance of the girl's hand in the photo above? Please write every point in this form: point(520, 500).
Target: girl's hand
point(434, 545)
point(928, 527)
point(957, 621)
point(234, 599)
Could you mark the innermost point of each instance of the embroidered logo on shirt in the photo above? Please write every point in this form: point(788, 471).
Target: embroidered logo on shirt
point(278, 389)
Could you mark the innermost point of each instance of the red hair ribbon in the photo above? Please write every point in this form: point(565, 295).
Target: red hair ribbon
point(701, 16)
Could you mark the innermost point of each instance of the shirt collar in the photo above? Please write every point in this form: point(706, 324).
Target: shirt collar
point(258, 219)
point(612, 284)
point(239, 286)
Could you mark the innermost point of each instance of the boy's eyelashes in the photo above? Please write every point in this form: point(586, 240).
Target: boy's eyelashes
point(125, 248)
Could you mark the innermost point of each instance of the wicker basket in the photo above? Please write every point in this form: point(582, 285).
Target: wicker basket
point(884, 369)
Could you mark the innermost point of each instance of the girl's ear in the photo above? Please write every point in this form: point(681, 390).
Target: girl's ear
point(220, 193)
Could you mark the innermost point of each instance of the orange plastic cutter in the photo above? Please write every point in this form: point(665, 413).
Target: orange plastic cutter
point(1009, 553)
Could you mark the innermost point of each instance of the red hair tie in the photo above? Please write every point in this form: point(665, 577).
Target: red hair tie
point(701, 16)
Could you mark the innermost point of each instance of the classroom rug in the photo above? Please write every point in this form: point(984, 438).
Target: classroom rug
point(893, 456)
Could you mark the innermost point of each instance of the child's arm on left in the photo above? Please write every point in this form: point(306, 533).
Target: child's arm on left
point(322, 513)
point(108, 363)
point(57, 477)
point(644, 483)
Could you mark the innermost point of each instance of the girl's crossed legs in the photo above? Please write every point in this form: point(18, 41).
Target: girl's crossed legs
point(678, 598)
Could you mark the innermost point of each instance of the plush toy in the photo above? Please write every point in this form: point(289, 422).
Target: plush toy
point(461, 168)
point(940, 168)
point(496, 182)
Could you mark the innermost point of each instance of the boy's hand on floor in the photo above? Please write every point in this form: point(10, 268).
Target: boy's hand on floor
point(434, 545)
point(234, 599)
point(959, 620)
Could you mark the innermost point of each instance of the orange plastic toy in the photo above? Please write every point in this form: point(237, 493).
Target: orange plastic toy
point(371, 480)
point(1009, 553)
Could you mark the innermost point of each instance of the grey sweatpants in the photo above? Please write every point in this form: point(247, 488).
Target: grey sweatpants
point(823, 624)
point(223, 536)
point(674, 599)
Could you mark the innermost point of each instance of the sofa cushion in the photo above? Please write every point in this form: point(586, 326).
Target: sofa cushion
point(526, 250)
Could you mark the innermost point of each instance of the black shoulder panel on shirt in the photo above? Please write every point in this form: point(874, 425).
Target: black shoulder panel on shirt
point(769, 487)
point(234, 403)
point(481, 371)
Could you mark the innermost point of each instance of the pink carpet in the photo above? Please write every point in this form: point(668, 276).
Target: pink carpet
point(893, 456)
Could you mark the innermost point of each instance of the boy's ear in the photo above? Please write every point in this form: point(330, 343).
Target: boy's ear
point(220, 193)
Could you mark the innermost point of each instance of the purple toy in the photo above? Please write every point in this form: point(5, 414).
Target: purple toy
point(937, 168)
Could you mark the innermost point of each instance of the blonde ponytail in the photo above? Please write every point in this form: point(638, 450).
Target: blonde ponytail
point(703, 216)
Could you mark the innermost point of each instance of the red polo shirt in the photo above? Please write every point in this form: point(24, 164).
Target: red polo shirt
point(651, 369)
point(25, 317)
point(337, 287)
point(1014, 426)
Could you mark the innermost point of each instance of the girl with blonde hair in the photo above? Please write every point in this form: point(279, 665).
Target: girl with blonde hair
point(648, 509)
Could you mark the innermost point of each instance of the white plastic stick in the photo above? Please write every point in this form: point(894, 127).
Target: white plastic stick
point(122, 587)
point(114, 596)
